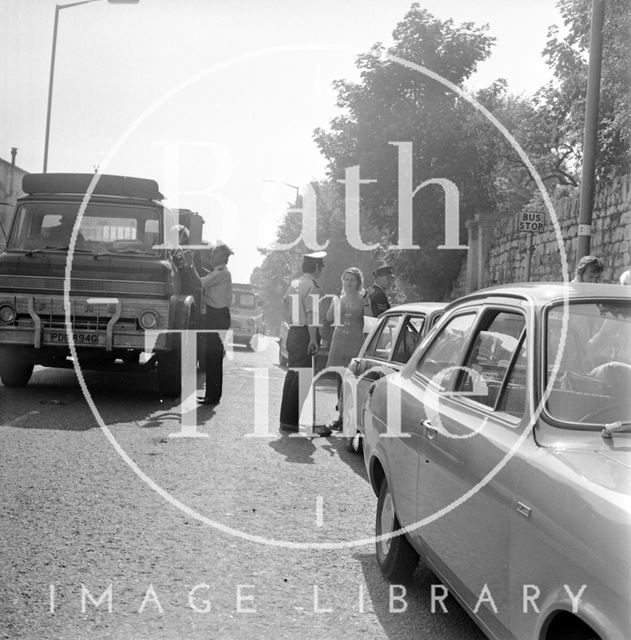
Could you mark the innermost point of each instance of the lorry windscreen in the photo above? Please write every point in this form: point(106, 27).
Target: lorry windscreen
point(104, 228)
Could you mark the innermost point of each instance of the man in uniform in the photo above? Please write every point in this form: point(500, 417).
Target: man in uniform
point(216, 298)
point(377, 298)
point(300, 301)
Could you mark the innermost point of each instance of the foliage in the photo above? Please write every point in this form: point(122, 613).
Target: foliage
point(393, 102)
point(279, 268)
point(564, 98)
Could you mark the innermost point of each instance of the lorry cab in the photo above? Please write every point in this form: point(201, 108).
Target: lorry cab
point(105, 243)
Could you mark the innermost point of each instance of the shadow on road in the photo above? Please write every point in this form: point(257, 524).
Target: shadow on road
point(405, 611)
point(338, 445)
point(54, 400)
point(296, 450)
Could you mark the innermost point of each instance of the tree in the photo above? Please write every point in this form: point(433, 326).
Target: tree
point(564, 97)
point(395, 103)
point(279, 268)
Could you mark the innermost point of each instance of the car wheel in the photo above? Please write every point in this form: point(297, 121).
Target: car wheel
point(396, 557)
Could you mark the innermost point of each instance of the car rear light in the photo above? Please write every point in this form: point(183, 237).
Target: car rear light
point(148, 319)
point(7, 313)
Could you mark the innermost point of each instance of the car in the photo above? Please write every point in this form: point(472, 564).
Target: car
point(247, 321)
point(507, 468)
point(388, 346)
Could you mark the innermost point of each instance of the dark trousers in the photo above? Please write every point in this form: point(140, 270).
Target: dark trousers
point(297, 356)
point(218, 319)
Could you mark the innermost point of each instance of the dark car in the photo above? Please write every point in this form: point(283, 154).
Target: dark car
point(389, 345)
point(501, 454)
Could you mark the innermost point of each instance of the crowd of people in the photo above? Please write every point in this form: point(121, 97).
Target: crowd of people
point(346, 314)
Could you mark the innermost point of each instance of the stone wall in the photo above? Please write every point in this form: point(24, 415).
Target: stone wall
point(503, 258)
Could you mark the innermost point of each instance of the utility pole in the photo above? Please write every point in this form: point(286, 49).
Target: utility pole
point(590, 139)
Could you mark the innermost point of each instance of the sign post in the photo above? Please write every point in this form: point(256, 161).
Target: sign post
point(530, 222)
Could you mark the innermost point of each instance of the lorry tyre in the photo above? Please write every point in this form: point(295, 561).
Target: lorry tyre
point(16, 367)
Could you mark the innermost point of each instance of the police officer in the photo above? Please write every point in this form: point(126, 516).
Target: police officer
point(300, 301)
point(216, 298)
point(377, 298)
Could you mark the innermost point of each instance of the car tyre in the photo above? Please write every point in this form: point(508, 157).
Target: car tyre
point(396, 557)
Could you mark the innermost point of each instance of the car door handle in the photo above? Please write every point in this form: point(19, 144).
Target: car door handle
point(430, 429)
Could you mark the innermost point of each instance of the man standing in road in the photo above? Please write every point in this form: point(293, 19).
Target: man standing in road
point(300, 301)
point(216, 290)
point(377, 301)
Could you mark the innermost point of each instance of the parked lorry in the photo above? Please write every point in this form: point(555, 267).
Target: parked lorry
point(119, 278)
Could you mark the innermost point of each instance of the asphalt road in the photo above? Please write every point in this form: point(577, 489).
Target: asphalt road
point(241, 534)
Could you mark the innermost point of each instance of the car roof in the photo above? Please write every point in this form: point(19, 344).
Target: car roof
point(416, 307)
point(541, 293)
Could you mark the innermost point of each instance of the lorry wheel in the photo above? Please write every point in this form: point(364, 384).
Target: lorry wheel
point(170, 371)
point(15, 374)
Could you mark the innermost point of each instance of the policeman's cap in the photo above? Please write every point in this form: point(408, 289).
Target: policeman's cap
point(384, 270)
point(223, 247)
point(315, 257)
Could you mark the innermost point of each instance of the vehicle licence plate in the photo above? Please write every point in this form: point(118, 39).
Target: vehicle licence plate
point(79, 337)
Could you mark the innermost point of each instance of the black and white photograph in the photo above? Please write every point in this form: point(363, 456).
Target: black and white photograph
point(315, 320)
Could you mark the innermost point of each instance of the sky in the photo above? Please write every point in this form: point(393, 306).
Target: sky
point(217, 100)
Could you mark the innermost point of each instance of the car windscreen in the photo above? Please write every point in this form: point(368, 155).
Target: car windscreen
point(104, 228)
point(244, 300)
point(591, 386)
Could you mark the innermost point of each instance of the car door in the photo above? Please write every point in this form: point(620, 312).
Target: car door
point(410, 334)
point(406, 433)
point(374, 363)
point(469, 462)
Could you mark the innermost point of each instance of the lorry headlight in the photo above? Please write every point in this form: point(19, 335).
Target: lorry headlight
point(148, 319)
point(7, 313)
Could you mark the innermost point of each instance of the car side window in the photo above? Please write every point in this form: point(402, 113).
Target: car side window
point(446, 351)
point(382, 343)
point(513, 398)
point(409, 337)
point(493, 349)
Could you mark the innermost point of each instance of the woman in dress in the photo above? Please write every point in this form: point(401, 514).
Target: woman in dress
point(348, 336)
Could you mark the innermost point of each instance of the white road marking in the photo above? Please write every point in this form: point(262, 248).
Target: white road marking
point(319, 510)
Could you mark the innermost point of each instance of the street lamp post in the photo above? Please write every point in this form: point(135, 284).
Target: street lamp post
point(293, 186)
point(58, 8)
